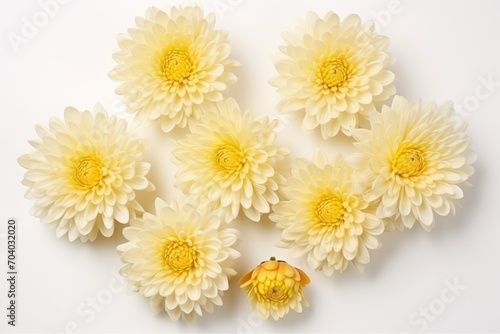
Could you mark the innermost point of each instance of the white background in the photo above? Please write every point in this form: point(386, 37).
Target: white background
point(443, 48)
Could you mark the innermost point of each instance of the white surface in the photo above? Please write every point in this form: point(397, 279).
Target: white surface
point(442, 48)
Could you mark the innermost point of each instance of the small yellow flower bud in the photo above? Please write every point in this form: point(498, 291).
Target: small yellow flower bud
point(274, 287)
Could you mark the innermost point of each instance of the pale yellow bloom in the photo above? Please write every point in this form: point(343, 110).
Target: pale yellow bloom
point(274, 287)
point(229, 160)
point(333, 72)
point(180, 258)
point(84, 174)
point(415, 159)
point(324, 216)
point(172, 64)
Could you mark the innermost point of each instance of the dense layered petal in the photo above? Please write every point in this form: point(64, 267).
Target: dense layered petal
point(415, 159)
point(172, 64)
point(84, 174)
point(333, 72)
point(324, 216)
point(230, 161)
point(180, 257)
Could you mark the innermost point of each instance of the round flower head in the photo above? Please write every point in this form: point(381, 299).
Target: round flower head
point(323, 215)
point(333, 71)
point(180, 258)
point(274, 287)
point(84, 173)
point(415, 158)
point(229, 161)
point(172, 64)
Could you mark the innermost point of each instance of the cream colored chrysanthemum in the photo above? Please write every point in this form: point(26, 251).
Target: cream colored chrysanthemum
point(333, 72)
point(274, 287)
point(323, 215)
point(230, 161)
point(415, 158)
point(172, 64)
point(84, 174)
point(180, 258)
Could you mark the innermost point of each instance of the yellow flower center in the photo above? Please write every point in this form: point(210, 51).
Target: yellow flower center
point(229, 158)
point(177, 65)
point(88, 171)
point(330, 209)
point(274, 291)
point(333, 72)
point(180, 256)
point(408, 161)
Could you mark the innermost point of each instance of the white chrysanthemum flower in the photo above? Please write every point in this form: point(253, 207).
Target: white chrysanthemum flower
point(229, 160)
point(172, 64)
point(84, 174)
point(180, 258)
point(415, 159)
point(323, 215)
point(333, 72)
